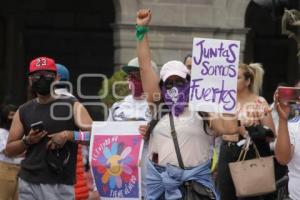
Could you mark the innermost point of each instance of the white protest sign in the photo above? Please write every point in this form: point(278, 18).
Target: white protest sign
point(115, 154)
point(214, 75)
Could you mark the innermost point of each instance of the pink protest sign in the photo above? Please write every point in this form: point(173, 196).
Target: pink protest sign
point(114, 156)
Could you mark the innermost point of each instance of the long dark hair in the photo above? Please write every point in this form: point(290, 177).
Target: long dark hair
point(186, 57)
point(5, 110)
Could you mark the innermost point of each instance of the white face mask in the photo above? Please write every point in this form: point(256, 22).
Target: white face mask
point(173, 94)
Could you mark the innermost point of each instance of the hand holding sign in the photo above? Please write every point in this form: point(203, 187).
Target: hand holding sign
point(143, 131)
point(115, 153)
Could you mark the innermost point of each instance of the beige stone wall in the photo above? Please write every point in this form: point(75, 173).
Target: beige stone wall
point(175, 23)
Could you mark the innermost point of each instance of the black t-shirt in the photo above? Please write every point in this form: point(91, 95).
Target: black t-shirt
point(56, 116)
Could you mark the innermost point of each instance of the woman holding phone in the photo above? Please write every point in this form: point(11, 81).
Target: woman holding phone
point(287, 148)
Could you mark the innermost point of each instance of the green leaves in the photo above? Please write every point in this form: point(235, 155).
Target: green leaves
point(116, 82)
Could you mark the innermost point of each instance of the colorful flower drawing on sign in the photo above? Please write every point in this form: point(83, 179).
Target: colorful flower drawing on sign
point(115, 165)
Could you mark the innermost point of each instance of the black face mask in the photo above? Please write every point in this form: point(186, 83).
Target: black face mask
point(42, 86)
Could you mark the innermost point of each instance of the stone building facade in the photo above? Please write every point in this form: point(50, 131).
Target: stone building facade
point(175, 23)
point(95, 36)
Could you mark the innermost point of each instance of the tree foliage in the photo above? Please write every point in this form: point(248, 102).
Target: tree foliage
point(120, 89)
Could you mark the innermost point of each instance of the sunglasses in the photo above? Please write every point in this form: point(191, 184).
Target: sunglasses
point(174, 83)
point(134, 75)
point(39, 75)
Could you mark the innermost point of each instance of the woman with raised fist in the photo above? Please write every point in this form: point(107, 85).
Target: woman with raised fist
point(180, 139)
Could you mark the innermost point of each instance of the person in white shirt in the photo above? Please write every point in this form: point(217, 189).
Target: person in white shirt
point(134, 107)
point(287, 148)
point(9, 167)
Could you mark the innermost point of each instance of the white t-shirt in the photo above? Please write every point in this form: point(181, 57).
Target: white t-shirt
point(130, 109)
point(194, 143)
point(3, 158)
point(294, 164)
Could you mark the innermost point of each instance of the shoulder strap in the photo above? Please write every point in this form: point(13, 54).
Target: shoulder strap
point(157, 116)
point(175, 140)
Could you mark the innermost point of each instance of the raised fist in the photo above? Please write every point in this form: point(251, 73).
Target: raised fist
point(143, 17)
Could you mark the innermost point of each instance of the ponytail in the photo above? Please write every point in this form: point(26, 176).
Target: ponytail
point(258, 70)
point(253, 72)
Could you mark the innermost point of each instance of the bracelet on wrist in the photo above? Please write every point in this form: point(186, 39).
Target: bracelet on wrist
point(140, 32)
point(81, 136)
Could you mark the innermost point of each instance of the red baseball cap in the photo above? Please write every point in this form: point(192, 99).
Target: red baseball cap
point(42, 64)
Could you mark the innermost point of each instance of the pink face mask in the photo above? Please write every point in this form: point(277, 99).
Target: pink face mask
point(136, 88)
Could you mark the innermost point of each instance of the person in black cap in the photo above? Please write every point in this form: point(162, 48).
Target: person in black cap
point(45, 127)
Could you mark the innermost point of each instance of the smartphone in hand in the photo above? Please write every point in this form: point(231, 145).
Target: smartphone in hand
point(289, 94)
point(38, 126)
